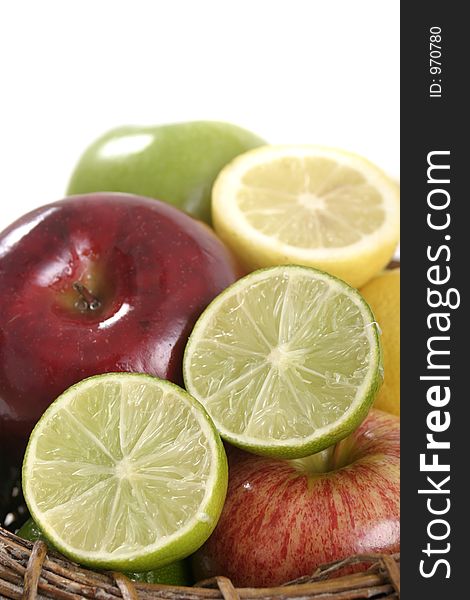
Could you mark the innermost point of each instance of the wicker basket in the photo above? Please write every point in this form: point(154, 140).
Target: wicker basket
point(30, 571)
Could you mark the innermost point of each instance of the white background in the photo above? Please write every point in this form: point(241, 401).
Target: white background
point(319, 71)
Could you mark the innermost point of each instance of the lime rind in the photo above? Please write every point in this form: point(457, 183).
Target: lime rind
point(105, 513)
point(177, 573)
point(235, 363)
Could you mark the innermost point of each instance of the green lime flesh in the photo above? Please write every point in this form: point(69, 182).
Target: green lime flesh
point(125, 471)
point(287, 361)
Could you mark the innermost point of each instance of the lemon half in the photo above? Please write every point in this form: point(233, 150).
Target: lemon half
point(309, 205)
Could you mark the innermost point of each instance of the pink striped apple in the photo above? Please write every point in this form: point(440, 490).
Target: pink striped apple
point(283, 518)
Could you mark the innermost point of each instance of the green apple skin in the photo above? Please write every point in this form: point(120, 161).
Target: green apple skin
point(176, 163)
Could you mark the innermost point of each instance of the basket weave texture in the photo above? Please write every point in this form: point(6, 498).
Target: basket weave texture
point(31, 570)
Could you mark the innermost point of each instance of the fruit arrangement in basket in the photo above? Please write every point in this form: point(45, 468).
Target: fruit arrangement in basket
point(192, 399)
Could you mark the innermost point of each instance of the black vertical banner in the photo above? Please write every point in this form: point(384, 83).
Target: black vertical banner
point(435, 261)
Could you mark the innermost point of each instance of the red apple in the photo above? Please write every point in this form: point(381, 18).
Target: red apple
point(98, 283)
point(283, 518)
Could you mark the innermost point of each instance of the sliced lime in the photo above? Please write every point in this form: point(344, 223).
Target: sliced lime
point(125, 471)
point(286, 361)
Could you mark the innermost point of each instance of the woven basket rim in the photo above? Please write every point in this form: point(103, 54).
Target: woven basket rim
point(32, 570)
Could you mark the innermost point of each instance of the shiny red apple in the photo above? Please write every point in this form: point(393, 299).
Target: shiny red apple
point(283, 518)
point(98, 283)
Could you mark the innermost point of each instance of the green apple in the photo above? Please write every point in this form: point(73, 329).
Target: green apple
point(175, 163)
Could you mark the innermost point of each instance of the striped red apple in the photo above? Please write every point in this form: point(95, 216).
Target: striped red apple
point(283, 518)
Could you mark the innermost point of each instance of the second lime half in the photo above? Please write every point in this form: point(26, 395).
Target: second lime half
point(287, 361)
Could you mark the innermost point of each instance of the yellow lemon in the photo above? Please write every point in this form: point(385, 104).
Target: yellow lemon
point(308, 205)
point(383, 296)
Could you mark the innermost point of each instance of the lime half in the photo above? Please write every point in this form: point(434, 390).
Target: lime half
point(287, 361)
point(125, 471)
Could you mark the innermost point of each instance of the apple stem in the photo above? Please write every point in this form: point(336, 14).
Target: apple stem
point(326, 459)
point(321, 462)
point(86, 300)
